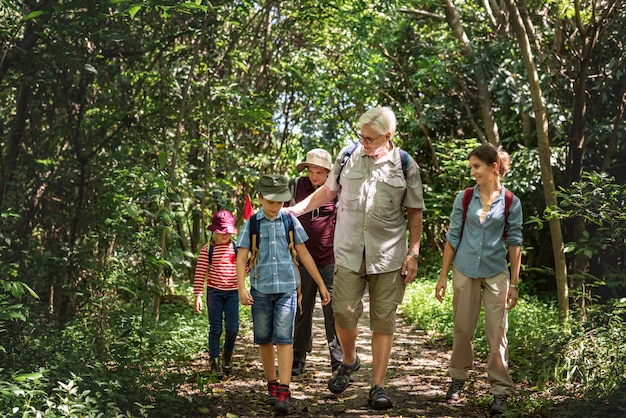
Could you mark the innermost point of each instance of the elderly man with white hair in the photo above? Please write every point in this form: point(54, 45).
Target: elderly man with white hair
point(373, 181)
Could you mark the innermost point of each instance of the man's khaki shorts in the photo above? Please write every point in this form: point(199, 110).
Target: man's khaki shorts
point(386, 291)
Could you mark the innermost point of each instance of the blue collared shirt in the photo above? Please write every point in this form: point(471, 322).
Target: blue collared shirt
point(274, 271)
point(482, 252)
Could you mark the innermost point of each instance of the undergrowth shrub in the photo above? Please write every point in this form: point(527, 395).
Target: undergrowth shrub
point(66, 372)
point(421, 309)
point(593, 361)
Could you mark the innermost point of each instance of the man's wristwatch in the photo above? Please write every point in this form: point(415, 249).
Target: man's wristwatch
point(514, 286)
point(415, 256)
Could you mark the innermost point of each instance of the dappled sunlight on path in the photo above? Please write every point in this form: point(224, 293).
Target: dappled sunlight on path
point(416, 380)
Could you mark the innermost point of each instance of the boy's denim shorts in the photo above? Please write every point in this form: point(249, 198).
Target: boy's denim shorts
point(273, 316)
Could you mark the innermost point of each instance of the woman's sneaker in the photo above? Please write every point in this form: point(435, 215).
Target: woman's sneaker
point(454, 391)
point(283, 400)
point(499, 405)
point(341, 378)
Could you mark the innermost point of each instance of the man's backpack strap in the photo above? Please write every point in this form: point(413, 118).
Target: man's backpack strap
point(346, 157)
point(404, 159)
point(467, 198)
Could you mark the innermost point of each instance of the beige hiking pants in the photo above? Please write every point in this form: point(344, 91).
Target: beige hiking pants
point(466, 302)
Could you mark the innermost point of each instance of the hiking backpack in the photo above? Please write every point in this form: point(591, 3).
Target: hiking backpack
point(467, 198)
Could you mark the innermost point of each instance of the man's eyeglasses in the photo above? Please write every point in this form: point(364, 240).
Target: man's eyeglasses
point(367, 140)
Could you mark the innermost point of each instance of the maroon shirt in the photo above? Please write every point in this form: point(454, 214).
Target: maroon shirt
point(319, 225)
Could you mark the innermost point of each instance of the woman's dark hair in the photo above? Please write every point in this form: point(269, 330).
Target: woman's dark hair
point(489, 154)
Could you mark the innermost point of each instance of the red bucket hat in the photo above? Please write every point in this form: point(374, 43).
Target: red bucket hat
point(223, 223)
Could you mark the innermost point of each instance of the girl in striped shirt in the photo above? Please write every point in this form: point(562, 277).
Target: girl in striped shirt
point(216, 267)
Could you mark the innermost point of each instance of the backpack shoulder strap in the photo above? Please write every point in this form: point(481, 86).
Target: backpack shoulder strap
point(404, 159)
point(254, 237)
point(346, 156)
point(467, 198)
point(288, 222)
point(293, 186)
point(508, 200)
point(255, 225)
point(289, 228)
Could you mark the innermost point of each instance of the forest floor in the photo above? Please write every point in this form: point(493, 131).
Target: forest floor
point(416, 381)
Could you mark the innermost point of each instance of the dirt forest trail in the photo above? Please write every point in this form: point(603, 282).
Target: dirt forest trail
point(416, 380)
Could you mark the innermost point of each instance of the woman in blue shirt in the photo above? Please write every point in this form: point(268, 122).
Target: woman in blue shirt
point(476, 249)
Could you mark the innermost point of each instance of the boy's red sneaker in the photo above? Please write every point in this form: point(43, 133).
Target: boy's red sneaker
point(283, 402)
point(272, 392)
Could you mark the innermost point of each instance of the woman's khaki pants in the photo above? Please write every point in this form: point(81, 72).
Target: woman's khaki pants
point(466, 302)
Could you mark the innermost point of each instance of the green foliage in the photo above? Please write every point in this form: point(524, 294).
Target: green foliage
point(124, 377)
point(441, 189)
point(592, 362)
point(597, 199)
point(424, 311)
point(535, 335)
point(12, 309)
point(26, 395)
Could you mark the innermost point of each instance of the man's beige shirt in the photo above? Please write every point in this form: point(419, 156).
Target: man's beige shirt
point(370, 218)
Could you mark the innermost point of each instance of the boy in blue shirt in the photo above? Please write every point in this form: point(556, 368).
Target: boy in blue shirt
point(274, 283)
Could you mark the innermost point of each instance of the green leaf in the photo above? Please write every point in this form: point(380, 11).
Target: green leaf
point(28, 376)
point(162, 160)
point(34, 15)
point(133, 10)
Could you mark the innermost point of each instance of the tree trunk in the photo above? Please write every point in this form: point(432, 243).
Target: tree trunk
point(547, 177)
point(610, 147)
point(483, 97)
